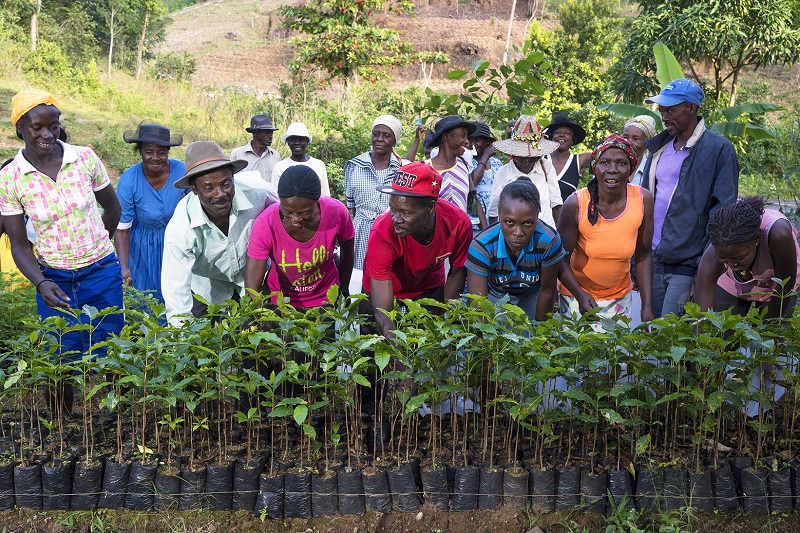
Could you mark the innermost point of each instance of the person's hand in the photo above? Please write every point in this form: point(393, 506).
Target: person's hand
point(52, 294)
point(126, 277)
point(647, 314)
point(488, 152)
point(586, 303)
point(421, 129)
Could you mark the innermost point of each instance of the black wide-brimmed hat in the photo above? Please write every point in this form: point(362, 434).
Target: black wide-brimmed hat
point(260, 122)
point(482, 130)
point(450, 122)
point(153, 134)
point(205, 156)
point(562, 119)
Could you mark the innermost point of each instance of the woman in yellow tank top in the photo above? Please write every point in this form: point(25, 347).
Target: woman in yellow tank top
point(602, 226)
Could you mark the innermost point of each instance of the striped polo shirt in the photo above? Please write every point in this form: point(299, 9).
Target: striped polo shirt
point(488, 257)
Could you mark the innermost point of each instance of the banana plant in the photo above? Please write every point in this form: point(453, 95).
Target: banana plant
point(723, 121)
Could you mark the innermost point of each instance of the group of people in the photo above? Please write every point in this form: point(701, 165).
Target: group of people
point(657, 223)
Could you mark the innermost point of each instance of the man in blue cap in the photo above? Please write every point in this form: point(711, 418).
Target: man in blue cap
point(692, 172)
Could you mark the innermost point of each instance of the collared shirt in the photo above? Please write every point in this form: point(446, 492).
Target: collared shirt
point(543, 175)
point(199, 258)
point(360, 180)
point(70, 233)
point(263, 163)
point(316, 165)
point(488, 257)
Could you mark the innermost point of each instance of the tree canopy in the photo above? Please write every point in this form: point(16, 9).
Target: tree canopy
point(342, 41)
point(725, 36)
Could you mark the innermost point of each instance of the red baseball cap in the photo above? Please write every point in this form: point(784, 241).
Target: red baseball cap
point(414, 179)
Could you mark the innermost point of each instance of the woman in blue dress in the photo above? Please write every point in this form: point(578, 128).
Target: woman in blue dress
point(148, 200)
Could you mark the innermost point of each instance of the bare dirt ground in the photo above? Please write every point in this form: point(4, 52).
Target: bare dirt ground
point(250, 48)
point(241, 43)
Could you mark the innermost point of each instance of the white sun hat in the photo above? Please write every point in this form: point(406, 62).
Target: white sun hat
point(296, 129)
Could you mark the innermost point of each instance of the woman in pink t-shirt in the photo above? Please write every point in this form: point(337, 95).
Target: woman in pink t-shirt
point(298, 235)
point(750, 248)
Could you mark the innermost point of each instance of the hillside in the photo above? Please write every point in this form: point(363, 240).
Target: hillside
point(241, 43)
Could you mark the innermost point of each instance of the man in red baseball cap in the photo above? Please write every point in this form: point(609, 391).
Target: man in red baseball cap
point(410, 243)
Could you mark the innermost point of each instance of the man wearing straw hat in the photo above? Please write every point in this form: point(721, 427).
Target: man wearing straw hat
point(205, 244)
point(257, 153)
point(528, 148)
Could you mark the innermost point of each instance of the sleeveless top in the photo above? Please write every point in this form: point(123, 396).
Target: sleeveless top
point(601, 259)
point(569, 177)
point(455, 183)
point(764, 266)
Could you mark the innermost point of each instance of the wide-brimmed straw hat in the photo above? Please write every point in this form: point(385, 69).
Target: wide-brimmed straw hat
point(152, 134)
point(526, 140)
point(448, 123)
point(205, 156)
point(562, 119)
point(260, 122)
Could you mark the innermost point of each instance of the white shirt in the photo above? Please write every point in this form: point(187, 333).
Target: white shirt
point(199, 258)
point(547, 184)
point(315, 164)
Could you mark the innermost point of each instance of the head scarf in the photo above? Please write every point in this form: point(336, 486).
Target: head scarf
point(301, 181)
point(612, 141)
point(392, 123)
point(646, 123)
point(24, 101)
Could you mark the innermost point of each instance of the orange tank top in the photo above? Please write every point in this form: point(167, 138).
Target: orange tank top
point(601, 259)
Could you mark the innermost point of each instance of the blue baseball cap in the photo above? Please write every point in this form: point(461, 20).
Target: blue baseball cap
point(678, 91)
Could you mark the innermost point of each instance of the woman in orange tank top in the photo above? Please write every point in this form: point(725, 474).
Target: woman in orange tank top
point(602, 226)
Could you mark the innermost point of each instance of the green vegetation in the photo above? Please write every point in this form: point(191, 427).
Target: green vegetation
point(727, 36)
point(341, 40)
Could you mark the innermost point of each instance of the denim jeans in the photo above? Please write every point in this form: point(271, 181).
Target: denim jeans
point(670, 291)
point(98, 285)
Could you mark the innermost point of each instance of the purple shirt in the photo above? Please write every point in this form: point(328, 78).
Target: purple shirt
point(668, 170)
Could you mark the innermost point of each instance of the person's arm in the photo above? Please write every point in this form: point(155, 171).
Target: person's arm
point(455, 282)
point(27, 264)
point(553, 189)
point(477, 284)
point(347, 258)
point(254, 272)
point(547, 291)
point(556, 213)
point(708, 273)
point(643, 257)
point(568, 230)
point(122, 243)
point(583, 161)
point(112, 210)
point(726, 184)
point(176, 270)
point(784, 254)
point(482, 165)
point(411, 155)
point(382, 299)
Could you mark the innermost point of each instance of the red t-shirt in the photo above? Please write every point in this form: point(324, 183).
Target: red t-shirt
point(302, 271)
point(414, 268)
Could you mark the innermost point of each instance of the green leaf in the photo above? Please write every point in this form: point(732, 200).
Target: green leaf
point(361, 380)
point(455, 74)
point(613, 416)
point(670, 397)
point(300, 414)
point(667, 67)
point(642, 444)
